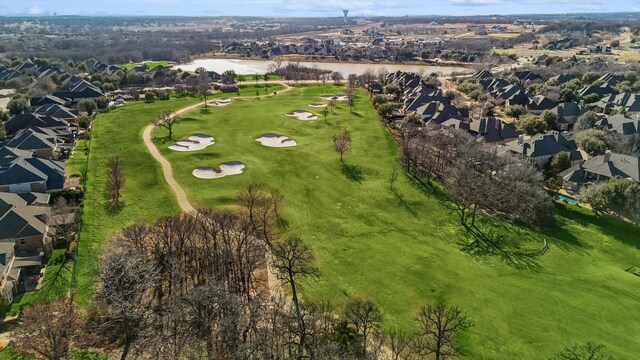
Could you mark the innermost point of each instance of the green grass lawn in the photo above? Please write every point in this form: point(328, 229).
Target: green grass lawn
point(252, 77)
point(151, 65)
point(77, 164)
point(402, 256)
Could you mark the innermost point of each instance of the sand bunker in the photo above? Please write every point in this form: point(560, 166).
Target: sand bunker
point(276, 141)
point(302, 115)
point(339, 97)
point(318, 105)
point(220, 102)
point(217, 172)
point(195, 142)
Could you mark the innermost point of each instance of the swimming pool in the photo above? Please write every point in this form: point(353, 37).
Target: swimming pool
point(567, 199)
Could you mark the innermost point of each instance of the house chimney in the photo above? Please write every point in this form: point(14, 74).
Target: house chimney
point(520, 139)
point(581, 103)
point(607, 156)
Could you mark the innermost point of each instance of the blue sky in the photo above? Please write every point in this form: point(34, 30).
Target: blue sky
point(310, 7)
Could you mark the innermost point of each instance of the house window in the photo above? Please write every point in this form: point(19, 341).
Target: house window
point(23, 242)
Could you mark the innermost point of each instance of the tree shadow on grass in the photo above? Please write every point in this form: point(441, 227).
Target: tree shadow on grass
point(489, 244)
point(161, 140)
point(356, 114)
point(205, 111)
point(353, 173)
point(113, 210)
point(620, 230)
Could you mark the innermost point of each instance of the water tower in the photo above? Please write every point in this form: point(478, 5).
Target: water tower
point(346, 13)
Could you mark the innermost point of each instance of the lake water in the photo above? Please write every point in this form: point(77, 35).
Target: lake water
point(261, 66)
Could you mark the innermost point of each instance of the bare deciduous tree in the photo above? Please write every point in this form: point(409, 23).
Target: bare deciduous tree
point(167, 120)
point(293, 263)
point(342, 144)
point(46, 330)
point(124, 310)
point(439, 329)
point(365, 317)
point(115, 181)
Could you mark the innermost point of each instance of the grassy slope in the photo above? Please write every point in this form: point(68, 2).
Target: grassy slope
point(369, 245)
point(146, 194)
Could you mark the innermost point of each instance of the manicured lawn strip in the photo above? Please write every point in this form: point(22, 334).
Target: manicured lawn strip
point(252, 77)
point(369, 245)
point(76, 165)
point(146, 195)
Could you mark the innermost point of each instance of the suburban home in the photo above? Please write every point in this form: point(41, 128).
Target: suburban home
point(493, 130)
point(542, 147)
point(24, 121)
point(568, 113)
point(600, 168)
point(628, 103)
point(524, 76)
point(45, 100)
point(620, 124)
point(482, 74)
point(491, 84)
point(600, 91)
point(41, 142)
point(563, 78)
point(539, 104)
point(55, 111)
point(512, 95)
point(24, 244)
point(611, 79)
point(24, 175)
point(437, 112)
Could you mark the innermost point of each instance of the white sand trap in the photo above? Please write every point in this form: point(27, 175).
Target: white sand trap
point(302, 115)
point(225, 169)
point(195, 142)
point(339, 97)
point(220, 102)
point(276, 141)
point(318, 105)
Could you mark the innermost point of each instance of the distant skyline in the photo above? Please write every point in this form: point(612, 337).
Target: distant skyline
point(310, 7)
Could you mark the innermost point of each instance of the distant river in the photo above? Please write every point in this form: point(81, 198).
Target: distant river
point(261, 67)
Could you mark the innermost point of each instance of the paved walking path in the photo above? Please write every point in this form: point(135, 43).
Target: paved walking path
point(181, 196)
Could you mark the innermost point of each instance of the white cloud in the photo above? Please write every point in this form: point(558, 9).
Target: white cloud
point(35, 10)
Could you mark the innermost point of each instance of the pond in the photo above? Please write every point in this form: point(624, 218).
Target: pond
point(241, 66)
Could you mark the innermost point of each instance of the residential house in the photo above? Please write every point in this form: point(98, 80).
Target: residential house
point(628, 103)
point(600, 168)
point(600, 91)
point(24, 121)
point(512, 95)
point(621, 124)
point(44, 143)
point(482, 74)
point(524, 76)
point(541, 148)
point(492, 130)
point(24, 244)
point(539, 103)
point(563, 78)
point(29, 174)
point(568, 113)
